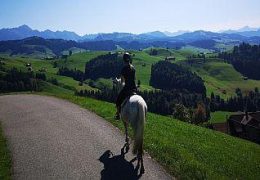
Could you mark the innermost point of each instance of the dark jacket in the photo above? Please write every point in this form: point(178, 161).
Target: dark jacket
point(128, 72)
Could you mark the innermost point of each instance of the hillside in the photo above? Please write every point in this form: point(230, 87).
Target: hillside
point(48, 68)
point(185, 150)
point(44, 48)
point(221, 78)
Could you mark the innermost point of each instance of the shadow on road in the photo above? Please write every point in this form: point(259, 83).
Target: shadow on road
point(117, 167)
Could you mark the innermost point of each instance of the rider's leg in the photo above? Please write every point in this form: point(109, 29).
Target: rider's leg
point(119, 101)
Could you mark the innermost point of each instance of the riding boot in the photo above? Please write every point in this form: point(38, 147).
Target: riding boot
point(117, 115)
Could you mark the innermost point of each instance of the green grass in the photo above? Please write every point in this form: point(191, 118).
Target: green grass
point(143, 63)
point(219, 116)
point(5, 158)
point(186, 151)
point(180, 55)
point(79, 60)
point(196, 50)
point(221, 78)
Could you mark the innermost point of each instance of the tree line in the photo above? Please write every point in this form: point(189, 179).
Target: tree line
point(162, 102)
point(240, 102)
point(17, 80)
point(74, 73)
point(245, 58)
point(184, 105)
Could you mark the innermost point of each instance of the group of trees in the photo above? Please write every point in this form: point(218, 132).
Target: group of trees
point(245, 58)
point(162, 102)
point(17, 80)
point(240, 102)
point(104, 66)
point(169, 76)
point(74, 73)
point(184, 105)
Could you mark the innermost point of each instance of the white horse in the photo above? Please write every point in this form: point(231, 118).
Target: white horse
point(133, 111)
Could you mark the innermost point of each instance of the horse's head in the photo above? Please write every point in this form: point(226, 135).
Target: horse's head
point(118, 83)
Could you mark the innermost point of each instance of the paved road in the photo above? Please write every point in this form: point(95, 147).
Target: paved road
point(50, 138)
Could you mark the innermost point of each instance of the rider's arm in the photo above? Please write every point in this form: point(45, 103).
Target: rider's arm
point(122, 79)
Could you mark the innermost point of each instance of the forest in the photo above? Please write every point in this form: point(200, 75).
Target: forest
point(245, 59)
point(104, 66)
point(169, 76)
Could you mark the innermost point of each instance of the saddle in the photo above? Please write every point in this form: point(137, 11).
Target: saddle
point(131, 93)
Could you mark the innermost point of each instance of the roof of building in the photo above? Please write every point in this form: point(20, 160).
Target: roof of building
point(252, 119)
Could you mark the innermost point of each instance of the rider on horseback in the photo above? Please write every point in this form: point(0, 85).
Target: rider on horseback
point(127, 76)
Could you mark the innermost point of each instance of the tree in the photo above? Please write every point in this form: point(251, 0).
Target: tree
point(182, 113)
point(200, 114)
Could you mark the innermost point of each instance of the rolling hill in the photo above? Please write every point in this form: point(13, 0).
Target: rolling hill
point(221, 78)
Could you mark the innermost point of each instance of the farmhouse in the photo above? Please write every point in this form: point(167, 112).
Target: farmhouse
point(245, 125)
point(170, 58)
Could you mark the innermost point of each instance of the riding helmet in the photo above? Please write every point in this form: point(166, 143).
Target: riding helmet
point(127, 57)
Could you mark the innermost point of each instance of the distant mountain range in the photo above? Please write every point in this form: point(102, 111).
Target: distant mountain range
point(24, 31)
point(23, 40)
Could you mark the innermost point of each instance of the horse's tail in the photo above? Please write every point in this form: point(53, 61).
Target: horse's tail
point(139, 128)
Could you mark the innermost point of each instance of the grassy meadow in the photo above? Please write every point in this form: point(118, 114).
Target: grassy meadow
point(221, 78)
point(219, 116)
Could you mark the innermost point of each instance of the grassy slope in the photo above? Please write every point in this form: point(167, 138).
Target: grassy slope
point(220, 76)
point(185, 150)
point(143, 73)
point(5, 158)
point(79, 60)
point(178, 54)
point(38, 64)
point(219, 116)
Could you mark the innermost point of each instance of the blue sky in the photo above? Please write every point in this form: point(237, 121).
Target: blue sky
point(136, 16)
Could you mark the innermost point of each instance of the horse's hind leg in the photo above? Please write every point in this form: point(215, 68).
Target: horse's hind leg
point(126, 132)
point(126, 136)
point(140, 157)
